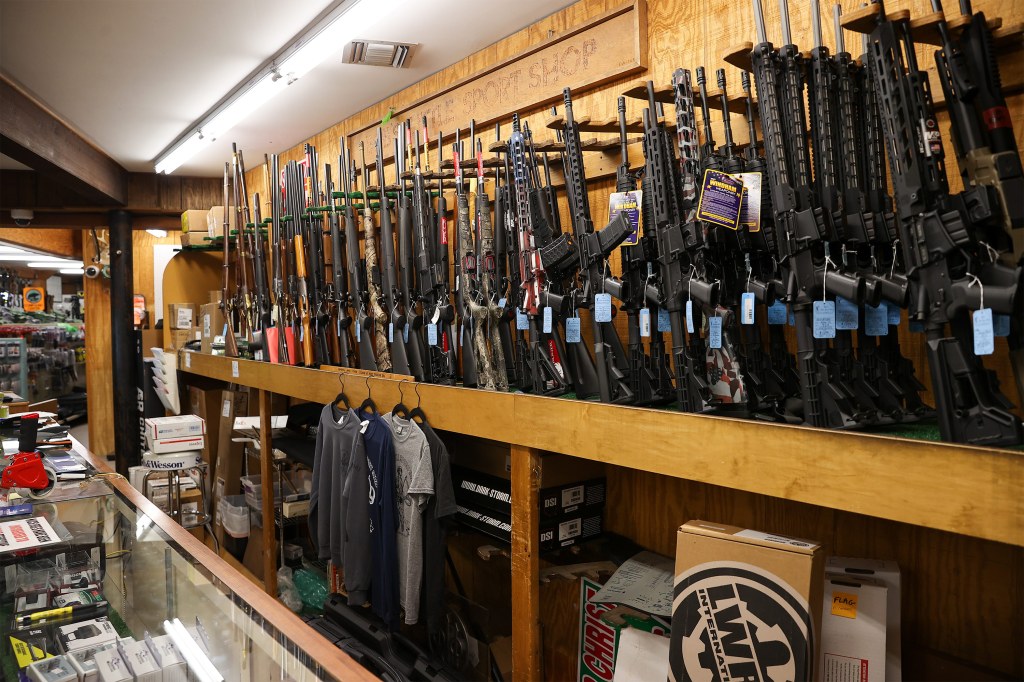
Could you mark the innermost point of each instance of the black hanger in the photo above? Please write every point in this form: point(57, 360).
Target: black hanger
point(341, 397)
point(400, 410)
point(368, 403)
point(416, 411)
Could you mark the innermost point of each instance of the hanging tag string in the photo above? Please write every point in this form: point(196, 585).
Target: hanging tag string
point(895, 251)
point(824, 273)
point(981, 287)
point(689, 282)
point(750, 270)
point(992, 253)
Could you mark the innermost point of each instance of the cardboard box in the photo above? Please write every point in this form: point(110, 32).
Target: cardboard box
point(601, 626)
point(555, 533)
point(112, 667)
point(730, 582)
point(173, 664)
point(853, 621)
point(887, 573)
point(227, 479)
point(211, 324)
point(193, 221)
point(85, 634)
point(141, 662)
point(215, 221)
point(206, 404)
point(215, 296)
point(181, 315)
point(179, 337)
point(56, 669)
point(176, 426)
point(477, 489)
point(164, 446)
point(195, 239)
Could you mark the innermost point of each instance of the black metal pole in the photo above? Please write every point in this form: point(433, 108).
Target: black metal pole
point(124, 368)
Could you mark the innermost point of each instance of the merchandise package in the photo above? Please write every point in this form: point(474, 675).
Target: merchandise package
point(85, 634)
point(853, 622)
point(179, 426)
point(166, 446)
point(888, 574)
point(56, 669)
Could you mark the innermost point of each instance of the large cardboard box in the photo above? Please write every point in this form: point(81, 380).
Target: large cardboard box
point(193, 221)
point(175, 426)
point(853, 622)
point(179, 337)
point(887, 573)
point(181, 315)
point(211, 324)
point(731, 583)
point(215, 221)
point(228, 477)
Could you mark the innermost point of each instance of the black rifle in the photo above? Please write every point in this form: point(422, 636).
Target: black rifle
point(941, 254)
point(375, 283)
point(501, 273)
point(279, 262)
point(389, 268)
point(259, 264)
point(486, 313)
point(804, 256)
point(356, 272)
point(594, 248)
point(463, 228)
point(408, 315)
point(294, 202)
point(338, 293)
point(226, 302)
point(315, 221)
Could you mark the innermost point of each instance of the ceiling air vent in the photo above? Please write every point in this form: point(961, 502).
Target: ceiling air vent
point(377, 53)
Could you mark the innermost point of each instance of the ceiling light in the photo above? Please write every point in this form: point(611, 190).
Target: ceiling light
point(157, 233)
point(323, 38)
point(11, 249)
point(27, 256)
point(53, 264)
point(72, 271)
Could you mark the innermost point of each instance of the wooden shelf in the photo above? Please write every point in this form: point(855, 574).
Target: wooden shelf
point(961, 489)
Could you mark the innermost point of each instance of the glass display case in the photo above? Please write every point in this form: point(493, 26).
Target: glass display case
point(155, 578)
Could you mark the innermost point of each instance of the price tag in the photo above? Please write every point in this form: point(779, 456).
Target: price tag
point(225, 410)
point(258, 355)
point(391, 332)
point(234, 369)
point(188, 360)
point(462, 336)
point(720, 198)
point(572, 330)
point(664, 322)
point(824, 313)
point(777, 313)
point(689, 317)
point(603, 307)
point(628, 203)
point(895, 313)
point(747, 308)
point(984, 338)
point(501, 303)
point(715, 332)
point(405, 333)
point(876, 320)
point(645, 322)
point(432, 334)
point(359, 331)
point(847, 314)
point(184, 318)
point(522, 322)
point(1001, 325)
point(547, 320)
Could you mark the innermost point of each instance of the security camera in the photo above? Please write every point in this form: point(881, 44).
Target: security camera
point(92, 271)
point(22, 217)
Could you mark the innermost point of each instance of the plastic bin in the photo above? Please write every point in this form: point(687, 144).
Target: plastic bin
point(233, 515)
point(301, 483)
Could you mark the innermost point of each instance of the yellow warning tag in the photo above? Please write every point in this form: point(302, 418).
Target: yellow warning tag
point(25, 654)
point(844, 604)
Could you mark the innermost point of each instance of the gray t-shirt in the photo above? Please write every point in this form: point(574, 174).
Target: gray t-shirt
point(414, 484)
point(336, 437)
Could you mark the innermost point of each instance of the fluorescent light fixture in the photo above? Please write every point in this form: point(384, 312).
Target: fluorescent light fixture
point(157, 233)
point(326, 36)
point(72, 271)
point(11, 249)
point(53, 264)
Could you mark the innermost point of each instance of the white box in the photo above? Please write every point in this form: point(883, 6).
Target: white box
point(168, 658)
point(887, 573)
point(853, 624)
point(84, 663)
point(166, 446)
point(161, 428)
point(88, 633)
point(56, 669)
point(141, 662)
point(112, 667)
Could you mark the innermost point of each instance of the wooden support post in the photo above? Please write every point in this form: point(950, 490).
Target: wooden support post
point(267, 481)
point(526, 645)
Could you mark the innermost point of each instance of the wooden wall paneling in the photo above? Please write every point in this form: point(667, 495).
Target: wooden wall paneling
point(60, 242)
point(560, 625)
point(188, 278)
point(99, 379)
point(143, 272)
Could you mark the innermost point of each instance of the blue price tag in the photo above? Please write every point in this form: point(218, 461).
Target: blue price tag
point(916, 326)
point(895, 313)
point(359, 331)
point(876, 320)
point(715, 332)
point(432, 334)
point(405, 333)
point(391, 332)
point(747, 308)
point(224, 331)
point(572, 330)
point(547, 320)
point(664, 322)
point(984, 338)
point(462, 335)
point(777, 313)
point(689, 317)
point(846, 314)
point(522, 322)
point(1001, 325)
point(603, 307)
point(824, 313)
point(645, 322)
point(501, 303)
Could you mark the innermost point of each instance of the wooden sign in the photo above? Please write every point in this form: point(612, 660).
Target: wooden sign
point(609, 46)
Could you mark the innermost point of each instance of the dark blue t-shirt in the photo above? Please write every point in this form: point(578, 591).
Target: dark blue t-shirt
point(380, 460)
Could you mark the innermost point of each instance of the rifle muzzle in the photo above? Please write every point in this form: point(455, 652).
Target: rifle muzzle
point(847, 286)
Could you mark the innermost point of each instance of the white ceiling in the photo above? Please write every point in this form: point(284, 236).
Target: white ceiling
point(133, 75)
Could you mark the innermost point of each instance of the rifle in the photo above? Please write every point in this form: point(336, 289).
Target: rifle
point(389, 270)
point(226, 304)
point(487, 284)
point(356, 273)
point(315, 221)
point(444, 357)
point(378, 318)
point(594, 248)
point(408, 317)
point(502, 281)
point(262, 289)
point(243, 302)
point(293, 198)
point(804, 254)
point(338, 286)
point(278, 335)
point(465, 267)
point(939, 249)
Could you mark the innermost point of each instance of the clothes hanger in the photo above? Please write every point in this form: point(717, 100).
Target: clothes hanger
point(341, 397)
point(400, 410)
point(368, 403)
point(417, 411)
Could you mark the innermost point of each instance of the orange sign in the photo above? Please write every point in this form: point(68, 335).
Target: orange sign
point(33, 299)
